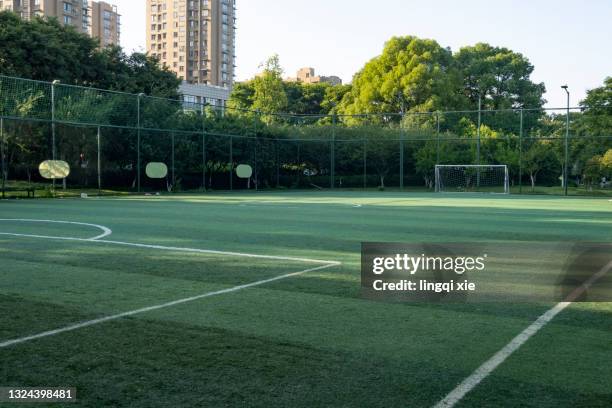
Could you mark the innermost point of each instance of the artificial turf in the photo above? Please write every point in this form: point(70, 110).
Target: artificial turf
point(305, 341)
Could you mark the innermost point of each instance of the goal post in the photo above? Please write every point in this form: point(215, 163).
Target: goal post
point(472, 178)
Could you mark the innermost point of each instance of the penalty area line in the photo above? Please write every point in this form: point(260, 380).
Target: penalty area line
point(105, 319)
point(173, 249)
point(498, 358)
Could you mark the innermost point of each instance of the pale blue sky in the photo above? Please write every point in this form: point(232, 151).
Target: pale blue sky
point(567, 41)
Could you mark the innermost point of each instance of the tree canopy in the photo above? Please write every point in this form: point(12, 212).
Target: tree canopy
point(411, 74)
point(43, 49)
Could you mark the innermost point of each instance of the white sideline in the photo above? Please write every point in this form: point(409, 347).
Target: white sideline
point(156, 307)
point(105, 231)
point(490, 365)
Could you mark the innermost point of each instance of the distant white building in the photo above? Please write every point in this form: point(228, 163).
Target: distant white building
point(196, 95)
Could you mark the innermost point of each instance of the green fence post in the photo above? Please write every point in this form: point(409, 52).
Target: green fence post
point(401, 152)
point(332, 180)
point(140, 95)
point(53, 147)
point(231, 163)
point(173, 167)
point(299, 173)
point(567, 135)
point(521, 155)
point(478, 140)
point(277, 162)
point(203, 112)
point(2, 142)
point(204, 161)
point(99, 164)
point(365, 163)
point(438, 137)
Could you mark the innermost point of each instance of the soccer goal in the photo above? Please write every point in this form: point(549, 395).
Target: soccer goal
point(472, 178)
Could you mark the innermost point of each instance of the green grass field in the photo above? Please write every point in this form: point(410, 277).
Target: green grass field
point(303, 340)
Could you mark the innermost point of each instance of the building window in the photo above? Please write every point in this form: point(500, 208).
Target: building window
point(67, 20)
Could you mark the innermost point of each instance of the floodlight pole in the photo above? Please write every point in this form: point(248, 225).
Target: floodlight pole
point(567, 131)
point(53, 85)
point(140, 95)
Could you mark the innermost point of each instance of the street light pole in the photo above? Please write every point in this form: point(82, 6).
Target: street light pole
point(567, 130)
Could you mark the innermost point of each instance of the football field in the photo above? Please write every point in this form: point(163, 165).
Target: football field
point(253, 300)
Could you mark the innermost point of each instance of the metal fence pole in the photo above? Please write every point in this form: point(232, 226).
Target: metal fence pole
point(204, 161)
point(401, 152)
point(478, 140)
point(138, 143)
point(99, 164)
point(520, 180)
point(2, 154)
point(231, 163)
point(567, 134)
point(277, 163)
point(173, 166)
point(438, 137)
point(202, 111)
point(53, 147)
point(332, 180)
point(365, 163)
point(300, 170)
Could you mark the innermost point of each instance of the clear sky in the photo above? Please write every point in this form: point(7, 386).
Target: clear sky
point(567, 41)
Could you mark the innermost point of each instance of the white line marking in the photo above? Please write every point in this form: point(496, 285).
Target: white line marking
point(490, 365)
point(105, 231)
point(176, 249)
point(156, 307)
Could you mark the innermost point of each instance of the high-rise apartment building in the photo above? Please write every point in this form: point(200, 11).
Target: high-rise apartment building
point(194, 38)
point(105, 23)
point(97, 19)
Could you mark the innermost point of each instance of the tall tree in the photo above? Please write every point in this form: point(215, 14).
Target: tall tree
point(45, 50)
point(269, 94)
point(410, 74)
point(597, 119)
point(500, 76)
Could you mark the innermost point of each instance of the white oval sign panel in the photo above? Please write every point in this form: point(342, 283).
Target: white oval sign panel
point(244, 171)
point(156, 170)
point(54, 169)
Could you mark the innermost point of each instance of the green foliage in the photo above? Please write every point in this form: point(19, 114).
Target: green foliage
point(412, 74)
point(539, 158)
point(597, 118)
point(500, 76)
point(43, 49)
point(269, 94)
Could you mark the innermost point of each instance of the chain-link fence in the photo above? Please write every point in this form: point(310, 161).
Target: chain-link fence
point(108, 138)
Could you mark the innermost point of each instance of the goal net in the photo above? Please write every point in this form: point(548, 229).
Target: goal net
point(472, 178)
